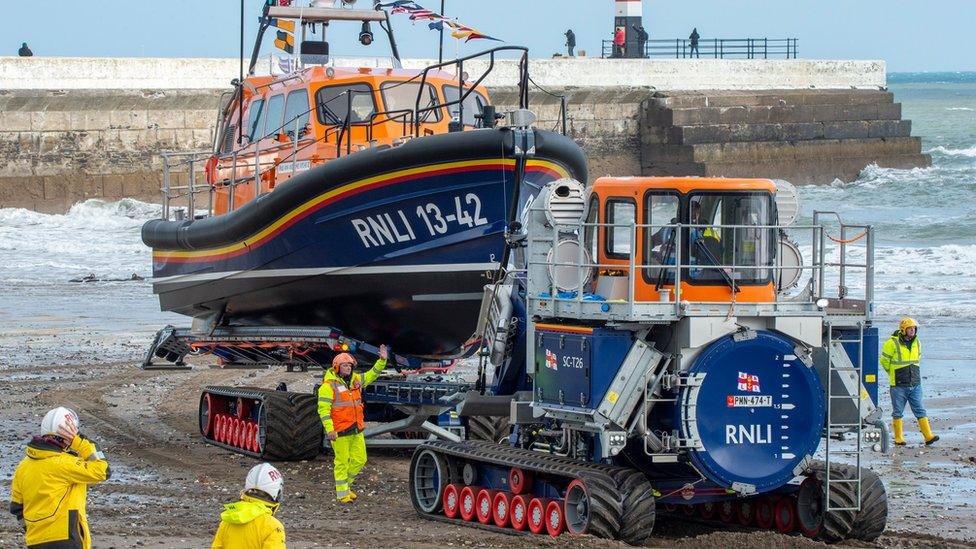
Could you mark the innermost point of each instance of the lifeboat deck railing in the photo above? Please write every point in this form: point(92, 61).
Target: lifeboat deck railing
point(836, 282)
point(250, 164)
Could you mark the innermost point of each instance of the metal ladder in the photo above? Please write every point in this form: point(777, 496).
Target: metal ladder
point(843, 364)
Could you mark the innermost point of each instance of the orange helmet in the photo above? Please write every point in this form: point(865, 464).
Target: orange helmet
point(342, 358)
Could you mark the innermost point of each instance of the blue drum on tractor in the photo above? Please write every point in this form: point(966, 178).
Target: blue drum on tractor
point(679, 357)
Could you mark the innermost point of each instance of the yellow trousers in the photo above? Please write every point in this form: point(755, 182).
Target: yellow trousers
point(350, 457)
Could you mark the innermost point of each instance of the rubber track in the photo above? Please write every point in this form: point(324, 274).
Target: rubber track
point(622, 499)
point(488, 428)
point(289, 422)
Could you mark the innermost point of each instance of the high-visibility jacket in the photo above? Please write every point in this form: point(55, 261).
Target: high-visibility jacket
point(901, 360)
point(341, 401)
point(249, 524)
point(49, 490)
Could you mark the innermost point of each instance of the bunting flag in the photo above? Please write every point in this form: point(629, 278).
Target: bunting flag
point(282, 24)
point(285, 41)
point(416, 12)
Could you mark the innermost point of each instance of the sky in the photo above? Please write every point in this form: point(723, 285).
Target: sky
point(909, 35)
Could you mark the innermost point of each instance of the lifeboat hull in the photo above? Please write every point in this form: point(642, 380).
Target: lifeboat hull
point(392, 245)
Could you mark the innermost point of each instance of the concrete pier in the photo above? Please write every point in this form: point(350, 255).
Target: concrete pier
point(72, 129)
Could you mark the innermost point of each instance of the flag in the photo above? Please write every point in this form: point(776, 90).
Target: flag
point(282, 24)
point(417, 12)
point(748, 383)
point(550, 360)
point(285, 41)
point(437, 26)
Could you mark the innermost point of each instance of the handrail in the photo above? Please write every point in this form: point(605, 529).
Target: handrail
point(717, 48)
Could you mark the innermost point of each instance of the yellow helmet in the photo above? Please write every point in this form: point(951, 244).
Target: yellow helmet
point(906, 323)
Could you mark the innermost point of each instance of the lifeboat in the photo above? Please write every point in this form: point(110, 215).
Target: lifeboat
point(371, 199)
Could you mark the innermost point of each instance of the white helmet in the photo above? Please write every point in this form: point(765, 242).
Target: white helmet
point(266, 478)
point(57, 418)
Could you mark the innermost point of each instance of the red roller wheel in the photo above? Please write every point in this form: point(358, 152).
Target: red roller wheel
point(483, 503)
point(255, 447)
point(519, 512)
point(537, 515)
point(726, 510)
point(518, 481)
point(252, 432)
point(452, 500)
point(707, 510)
point(235, 437)
point(467, 503)
point(555, 519)
point(501, 509)
point(218, 424)
point(243, 408)
point(208, 415)
point(224, 427)
point(765, 517)
point(785, 512)
point(688, 510)
point(745, 511)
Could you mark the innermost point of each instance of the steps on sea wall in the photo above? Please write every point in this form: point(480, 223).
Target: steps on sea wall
point(805, 136)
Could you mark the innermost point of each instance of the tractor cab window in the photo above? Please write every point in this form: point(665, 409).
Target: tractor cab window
point(660, 236)
point(591, 230)
point(731, 232)
point(621, 215)
point(333, 104)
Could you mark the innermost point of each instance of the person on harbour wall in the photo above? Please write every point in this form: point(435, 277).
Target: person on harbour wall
point(571, 42)
point(49, 491)
point(693, 39)
point(25, 51)
point(340, 407)
point(901, 357)
point(250, 523)
point(619, 39)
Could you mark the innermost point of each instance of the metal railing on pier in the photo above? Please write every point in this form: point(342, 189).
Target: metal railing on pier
point(712, 48)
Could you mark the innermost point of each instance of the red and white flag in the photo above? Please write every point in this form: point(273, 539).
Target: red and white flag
point(550, 360)
point(748, 383)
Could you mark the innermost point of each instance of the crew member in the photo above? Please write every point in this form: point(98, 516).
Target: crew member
point(250, 523)
point(341, 410)
point(49, 488)
point(901, 355)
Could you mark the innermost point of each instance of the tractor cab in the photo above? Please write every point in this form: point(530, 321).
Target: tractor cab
point(701, 239)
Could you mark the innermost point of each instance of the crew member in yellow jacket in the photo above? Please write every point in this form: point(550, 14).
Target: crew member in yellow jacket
point(250, 523)
point(50, 486)
point(341, 410)
point(901, 357)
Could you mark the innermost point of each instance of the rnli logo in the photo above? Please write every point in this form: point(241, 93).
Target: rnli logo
point(551, 362)
point(748, 383)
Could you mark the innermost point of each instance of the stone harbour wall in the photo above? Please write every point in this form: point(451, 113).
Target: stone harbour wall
point(73, 129)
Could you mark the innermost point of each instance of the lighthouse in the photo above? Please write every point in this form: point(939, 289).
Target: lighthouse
point(629, 15)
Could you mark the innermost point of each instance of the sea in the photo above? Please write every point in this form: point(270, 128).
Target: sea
point(925, 223)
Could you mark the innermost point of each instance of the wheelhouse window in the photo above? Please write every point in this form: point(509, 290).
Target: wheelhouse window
point(296, 109)
point(402, 96)
point(728, 230)
point(661, 209)
point(621, 214)
point(275, 110)
point(333, 102)
point(253, 117)
point(472, 104)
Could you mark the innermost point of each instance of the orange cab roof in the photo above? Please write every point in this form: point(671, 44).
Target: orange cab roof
point(619, 185)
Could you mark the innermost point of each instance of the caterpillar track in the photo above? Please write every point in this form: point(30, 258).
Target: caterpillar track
point(511, 488)
point(802, 511)
point(263, 424)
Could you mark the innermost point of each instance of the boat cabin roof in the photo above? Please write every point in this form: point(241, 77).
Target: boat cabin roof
point(626, 186)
